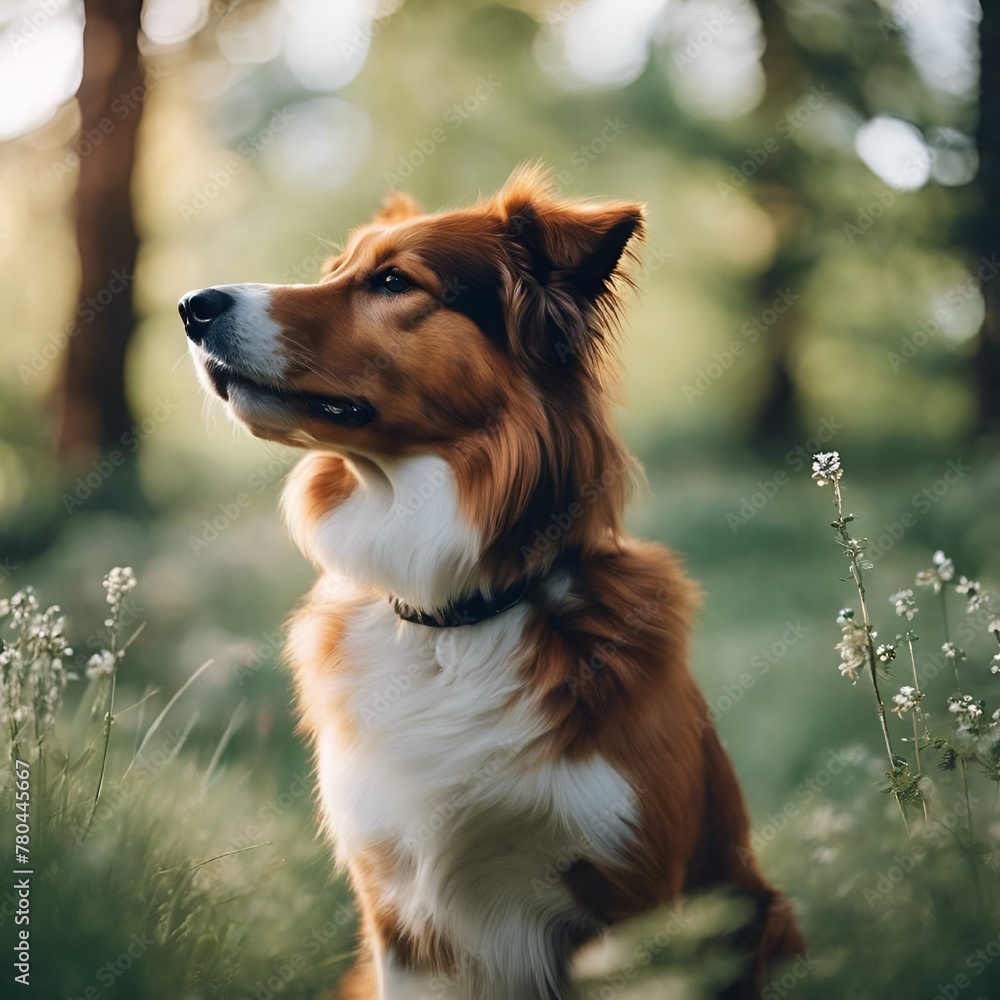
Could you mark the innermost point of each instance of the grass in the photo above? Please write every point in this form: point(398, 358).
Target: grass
point(160, 899)
point(156, 901)
point(157, 870)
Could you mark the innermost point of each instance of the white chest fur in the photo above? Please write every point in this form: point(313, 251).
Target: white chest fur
point(431, 751)
point(439, 766)
point(402, 531)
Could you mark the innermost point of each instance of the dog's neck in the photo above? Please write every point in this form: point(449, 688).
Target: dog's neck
point(401, 531)
point(399, 526)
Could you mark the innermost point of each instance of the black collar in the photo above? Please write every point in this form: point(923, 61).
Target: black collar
point(470, 611)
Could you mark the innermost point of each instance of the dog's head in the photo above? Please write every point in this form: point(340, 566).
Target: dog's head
point(479, 335)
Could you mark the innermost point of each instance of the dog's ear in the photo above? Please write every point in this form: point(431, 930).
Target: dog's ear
point(578, 246)
point(565, 257)
point(397, 207)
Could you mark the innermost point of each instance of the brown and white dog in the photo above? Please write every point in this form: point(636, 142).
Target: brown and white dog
point(493, 674)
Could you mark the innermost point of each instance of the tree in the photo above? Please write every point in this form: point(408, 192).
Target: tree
point(985, 235)
point(776, 416)
point(94, 410)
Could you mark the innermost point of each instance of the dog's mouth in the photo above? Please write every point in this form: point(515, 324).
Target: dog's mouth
point(342, 410)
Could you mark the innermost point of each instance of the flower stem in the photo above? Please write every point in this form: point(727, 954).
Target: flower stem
point(958, 682)
point(916, 710)
point(109, 719)
point(947, 633)
point(858, 578)
point(968, 800)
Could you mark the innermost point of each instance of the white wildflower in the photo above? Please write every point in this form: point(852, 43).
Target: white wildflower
point(942, 572)
point(826, 467)
point(853, 648)
point(995, 664)
point(972, 590)
point(945, 567)
point(119, 583)
point(886, 652)
point(22, 606)
point(101, 664)
point(905, 605)
point(952, 652)
point(907, 699)
point(967, 710)
point(32, 672)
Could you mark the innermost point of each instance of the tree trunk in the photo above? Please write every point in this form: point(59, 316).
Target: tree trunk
point(94, 411)
point(775, 417)
point(986, 234)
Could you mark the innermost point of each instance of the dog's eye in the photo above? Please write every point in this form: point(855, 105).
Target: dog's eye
point(393, 282)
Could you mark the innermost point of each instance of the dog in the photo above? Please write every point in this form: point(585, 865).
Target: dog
point(512, 754)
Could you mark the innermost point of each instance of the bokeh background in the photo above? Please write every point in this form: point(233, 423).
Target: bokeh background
point(823, 190)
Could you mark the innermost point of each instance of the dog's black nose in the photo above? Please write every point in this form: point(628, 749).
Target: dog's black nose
point(198, 309)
